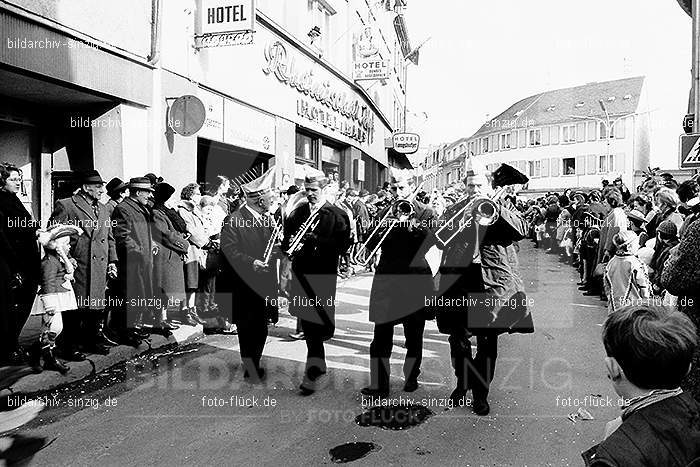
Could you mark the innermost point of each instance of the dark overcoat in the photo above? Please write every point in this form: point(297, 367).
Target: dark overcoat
point(93, 250)
point(133, 237)
point(315, 267)
point(168, 272)
point(403, 279)
point(243, 240)
point(498, 304)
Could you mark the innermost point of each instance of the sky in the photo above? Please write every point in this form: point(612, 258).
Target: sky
point(483, 56)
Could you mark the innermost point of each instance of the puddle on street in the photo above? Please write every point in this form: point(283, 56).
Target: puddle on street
point(349, 452)
point(113, 381)
point(395, 417)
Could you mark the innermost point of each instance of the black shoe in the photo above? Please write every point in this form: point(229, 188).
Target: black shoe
point(481, 407)
point(131, 340)
point(140, 332)
point(35, 358)
point(304, 391)
point(583, 287)
point(16, 358)
point(371, 392)
point(262, 374)
point(192, 313)
point(167, 325)
point(410, 385)
point(52, 363)
point(189, 320)
point(74, 356)
point(459, 397)
point(297, 336)
point(591, 293)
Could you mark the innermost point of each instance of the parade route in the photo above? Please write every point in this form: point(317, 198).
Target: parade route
point(194, 407)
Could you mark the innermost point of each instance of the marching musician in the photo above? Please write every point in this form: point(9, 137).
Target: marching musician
point(480, 268)
point(400, 286)
point(314, 272)
point(253, 283)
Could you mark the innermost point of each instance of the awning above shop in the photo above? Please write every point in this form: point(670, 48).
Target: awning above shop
point(398, 160)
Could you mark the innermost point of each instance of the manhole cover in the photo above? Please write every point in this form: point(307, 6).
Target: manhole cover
point(349, 452)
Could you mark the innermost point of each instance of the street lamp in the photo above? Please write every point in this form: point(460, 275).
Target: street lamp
point(609, 125)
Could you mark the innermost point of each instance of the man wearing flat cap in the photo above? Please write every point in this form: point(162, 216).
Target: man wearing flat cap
point(133, 234)
point(314, 272)
point(96, 256)
point(249, 291)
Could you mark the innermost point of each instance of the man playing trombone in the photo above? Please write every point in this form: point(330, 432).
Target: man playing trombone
point(247, 243)
point(400, 286)
point(482, 292)
point(316, 234)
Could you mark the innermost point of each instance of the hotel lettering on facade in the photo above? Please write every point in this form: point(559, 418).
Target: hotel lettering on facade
point(100, 98)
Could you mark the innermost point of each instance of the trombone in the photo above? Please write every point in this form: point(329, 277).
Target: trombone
point(276, 231)
point(296, 242)
point(398, 211)
point(480, 209)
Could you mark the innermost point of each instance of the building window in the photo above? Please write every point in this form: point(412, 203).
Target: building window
point(602, 164)
point(569, 166)
point(611, 163)
point(604, 130)
point(535, 138)
point(591, 131)
point(554, 135)
point(306, 149)
point(538, 169)
point(522, 141)
point(484, 145)
point(320, 17)
point(505, 141)
point(568, 134)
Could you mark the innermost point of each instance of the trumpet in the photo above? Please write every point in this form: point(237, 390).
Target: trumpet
point(297, 240)
point(480, 209)
point(399, 211)
point(276, 231)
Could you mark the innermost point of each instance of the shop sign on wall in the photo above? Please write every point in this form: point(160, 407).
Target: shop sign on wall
point(325, 105)
point(223, 23)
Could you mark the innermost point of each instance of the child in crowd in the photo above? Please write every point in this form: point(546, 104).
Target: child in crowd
point(55, 295)
point(625, 279)
point(649, 350)
point(666, 240)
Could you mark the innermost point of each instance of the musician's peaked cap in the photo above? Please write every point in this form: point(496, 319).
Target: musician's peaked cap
point(261, 185)
point(508, 175)
point(312, 175)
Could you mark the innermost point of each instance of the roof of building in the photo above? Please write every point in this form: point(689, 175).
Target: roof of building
point(620, 97)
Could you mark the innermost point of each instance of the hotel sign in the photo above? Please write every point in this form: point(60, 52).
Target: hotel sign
point(223, 23)
point(406, 143)
point(368, 64)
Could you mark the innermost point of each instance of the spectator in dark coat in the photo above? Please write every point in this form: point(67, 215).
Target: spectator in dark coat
point(133, 233)
point(19, 264)
point(681, 277)
point(170, 235)
point(96, 256)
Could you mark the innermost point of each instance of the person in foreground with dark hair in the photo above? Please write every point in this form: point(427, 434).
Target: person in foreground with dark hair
point(649, 350)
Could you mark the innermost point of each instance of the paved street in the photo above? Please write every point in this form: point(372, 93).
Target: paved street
point(181, 407)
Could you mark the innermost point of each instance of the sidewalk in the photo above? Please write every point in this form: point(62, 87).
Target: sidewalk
point(22, 380)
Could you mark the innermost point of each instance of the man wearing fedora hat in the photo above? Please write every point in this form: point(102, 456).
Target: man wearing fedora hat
point(133, 224)
point(96, 257)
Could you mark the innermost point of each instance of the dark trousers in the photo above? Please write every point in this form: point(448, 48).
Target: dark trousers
point(13, 318)
point(382, 344)
point(252, 334)
point(206, 295)
point(473, 372)
point(315, 352)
